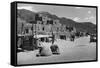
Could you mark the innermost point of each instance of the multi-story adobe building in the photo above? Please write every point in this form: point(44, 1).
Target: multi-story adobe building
point(45, 26)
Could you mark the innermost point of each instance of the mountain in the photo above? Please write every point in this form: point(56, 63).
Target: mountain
point(80, 26)
point(26, 15)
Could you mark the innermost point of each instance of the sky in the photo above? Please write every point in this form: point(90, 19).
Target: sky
point(79, 14)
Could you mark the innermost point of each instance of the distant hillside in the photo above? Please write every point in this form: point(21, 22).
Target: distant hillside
point(80, 26)
point(83, 26)
point(26, 15)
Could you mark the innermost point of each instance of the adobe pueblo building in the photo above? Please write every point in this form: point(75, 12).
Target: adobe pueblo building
point(43, 25)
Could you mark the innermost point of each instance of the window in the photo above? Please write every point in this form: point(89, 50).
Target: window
point(43, 28)
point(27, 30)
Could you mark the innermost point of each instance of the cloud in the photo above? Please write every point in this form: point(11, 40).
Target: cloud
point(89, 12)
point(89, 18)
point(76, 19)
point(92, 17)
point(27, 7)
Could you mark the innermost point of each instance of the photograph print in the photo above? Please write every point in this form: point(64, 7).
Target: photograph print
point(55, 33)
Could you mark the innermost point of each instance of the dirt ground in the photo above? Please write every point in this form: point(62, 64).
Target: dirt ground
point(79, 50)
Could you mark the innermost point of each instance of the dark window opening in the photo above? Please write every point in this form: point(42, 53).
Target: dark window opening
point(63, 37)
point(27, 31)
point(43, 28)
